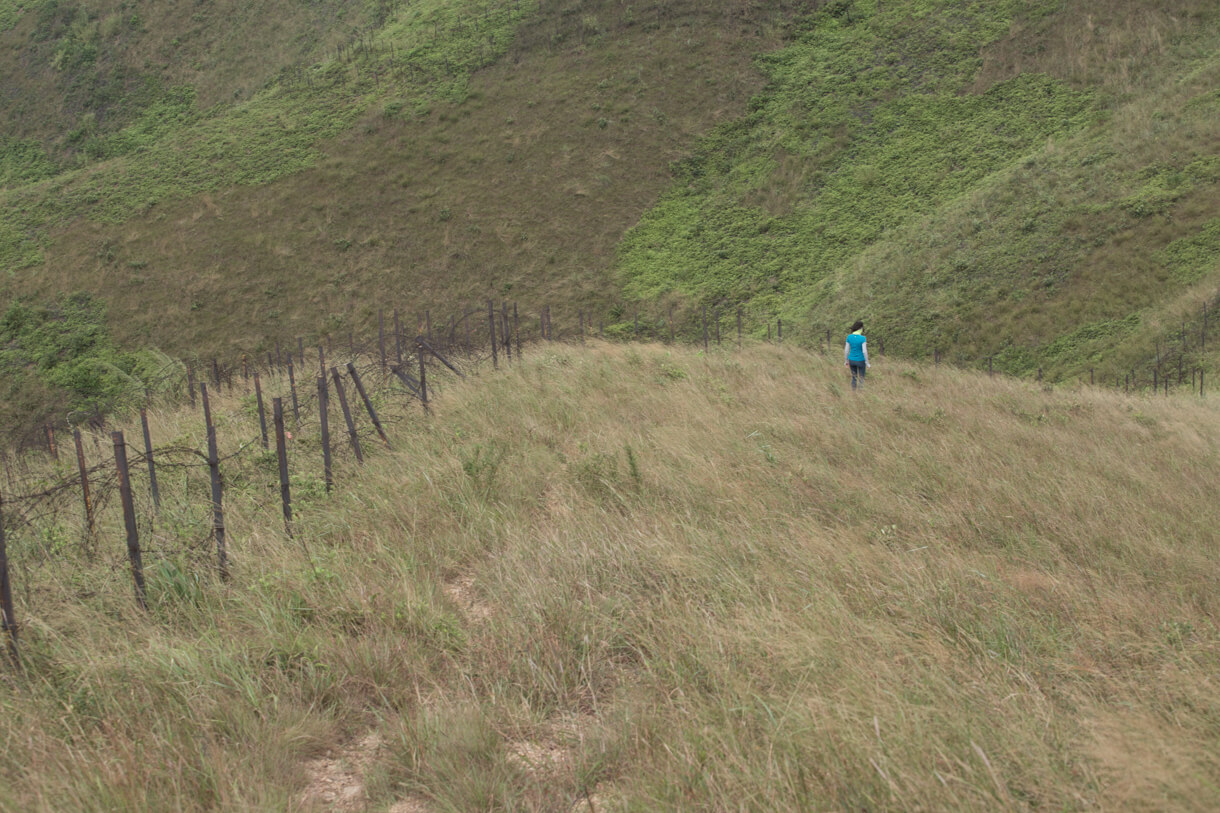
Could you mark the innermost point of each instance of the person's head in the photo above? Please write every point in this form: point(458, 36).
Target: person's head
point(857, 326)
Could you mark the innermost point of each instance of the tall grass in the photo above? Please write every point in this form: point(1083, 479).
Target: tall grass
point(656, 579)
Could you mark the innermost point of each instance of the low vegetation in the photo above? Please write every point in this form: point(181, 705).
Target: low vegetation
point(644, 577)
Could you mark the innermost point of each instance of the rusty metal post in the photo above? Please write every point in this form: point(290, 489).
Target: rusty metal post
point(324, 421)
point(491, 325)
point(281, 453)
point(51, 447)
point(218, 517)
point(292, 387)
point(347, 414)
point(152, 467)
point(129, 518)
point(90, 523)
point(368, 404)
point(262, 415)
point(8, 619)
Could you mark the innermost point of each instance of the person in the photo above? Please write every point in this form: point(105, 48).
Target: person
point(855, 353)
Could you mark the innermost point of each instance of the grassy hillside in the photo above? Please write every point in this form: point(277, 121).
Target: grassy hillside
point(1029, 182)
point(672, 580)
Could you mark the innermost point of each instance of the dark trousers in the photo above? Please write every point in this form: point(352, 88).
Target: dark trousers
point(857, 372)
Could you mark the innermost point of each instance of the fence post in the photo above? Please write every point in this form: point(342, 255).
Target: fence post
point(397, 339)
point(218, 517)
point(368, 404)
point(292, 386)
point(324, 421)
point(152, 467)
point(7, 617)
point(281, 453)
point(90, 525)
point(347, 414)
point(262, 416)
point(423, 375)
point(507, 337)
point(129, 517)
point(51, 441)
point(381, 339)
point(491, 325)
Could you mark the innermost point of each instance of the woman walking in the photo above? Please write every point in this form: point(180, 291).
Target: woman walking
point(855, 354)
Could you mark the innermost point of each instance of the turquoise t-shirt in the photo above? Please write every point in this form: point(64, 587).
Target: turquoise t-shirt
point(855, 344)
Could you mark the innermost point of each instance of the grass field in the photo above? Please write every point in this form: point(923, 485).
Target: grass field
point(644, 577)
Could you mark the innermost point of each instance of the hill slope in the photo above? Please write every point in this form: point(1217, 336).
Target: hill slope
point(1029, 182)
point(669, 580)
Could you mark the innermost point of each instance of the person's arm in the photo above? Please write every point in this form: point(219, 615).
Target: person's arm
point(846, 351)
point(864, 350)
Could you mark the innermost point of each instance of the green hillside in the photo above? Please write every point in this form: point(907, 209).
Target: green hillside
point(1032, 182)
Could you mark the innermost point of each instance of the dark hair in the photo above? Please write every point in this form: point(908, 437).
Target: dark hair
point(857, 326)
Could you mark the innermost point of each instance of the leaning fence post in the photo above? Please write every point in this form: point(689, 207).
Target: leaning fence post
point(90, 525)
point(347, 414)
point(281, 453)
point(491, 325)
point(7, 617)
point(368, 404)
point(218, 517)
point(324, 421)
point(152, 467)
point(129, 517)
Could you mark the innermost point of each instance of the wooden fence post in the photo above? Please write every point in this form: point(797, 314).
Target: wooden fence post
point(90, 523)
point(507, 337)
point(8, 619)
point(423, 376)
point(292, 387)
point(491, 325)
point(51, 447)
point(324, 421)
point(218, 517)
point(381, 339)
point(517, 330)
point(281, 453)
point(347, 414)
point(368, 404)
point(152, 467)
point(262, 416)
point(129, 518)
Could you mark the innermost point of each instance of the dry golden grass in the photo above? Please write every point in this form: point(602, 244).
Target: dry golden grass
point(640, 577)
